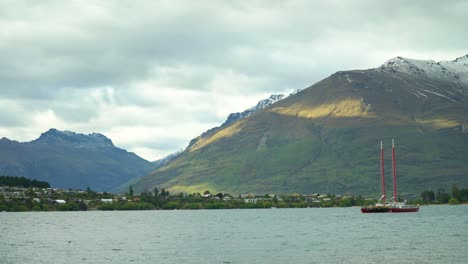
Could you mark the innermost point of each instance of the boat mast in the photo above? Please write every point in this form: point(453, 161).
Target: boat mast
point(382, 172)
point(395, 196)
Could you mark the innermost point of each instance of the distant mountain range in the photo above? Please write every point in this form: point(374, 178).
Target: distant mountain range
point(326, 138)
point(71, 160)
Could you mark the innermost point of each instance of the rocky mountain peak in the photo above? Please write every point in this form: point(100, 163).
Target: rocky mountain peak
point(453, 71)
point(81, 140)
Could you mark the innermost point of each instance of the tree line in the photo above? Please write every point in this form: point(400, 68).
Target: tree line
point(13, 181)
point(457, 196)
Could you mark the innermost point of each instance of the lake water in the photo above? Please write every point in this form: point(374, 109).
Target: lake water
point(437, 234)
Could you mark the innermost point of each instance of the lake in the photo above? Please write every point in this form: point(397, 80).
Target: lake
point(436, 234)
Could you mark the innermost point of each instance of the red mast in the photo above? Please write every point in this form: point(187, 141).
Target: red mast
point(382, 172)
point(395, 197)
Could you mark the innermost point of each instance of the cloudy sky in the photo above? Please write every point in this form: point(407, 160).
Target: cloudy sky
point(151, 75)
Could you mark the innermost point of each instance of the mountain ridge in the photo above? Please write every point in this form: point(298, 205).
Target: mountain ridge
point(72, 160)
point(233, 117)
point(309, 142)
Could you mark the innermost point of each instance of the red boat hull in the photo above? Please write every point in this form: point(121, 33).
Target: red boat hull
point(404, 210)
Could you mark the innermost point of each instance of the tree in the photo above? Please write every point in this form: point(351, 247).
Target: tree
point(456, 192)
point(464, 195)
point(453, 201)
point(275, 199)
point(156, 191)
point(427, 196)
point(206, 192)
point(130, 191)
point(442, 196)
point(345, 202)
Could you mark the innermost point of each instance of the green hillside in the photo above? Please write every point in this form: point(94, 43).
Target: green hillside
point(326, 139)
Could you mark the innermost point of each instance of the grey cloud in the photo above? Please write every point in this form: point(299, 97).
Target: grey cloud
point(166, 144)
point(11, 119)
point(122, 42)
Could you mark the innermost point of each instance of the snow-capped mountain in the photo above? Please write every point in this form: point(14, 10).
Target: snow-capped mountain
point(454, 71)
point(246, 113)
point(443, 79)
point(260, 105)
point(307, 143)
point(459, 67)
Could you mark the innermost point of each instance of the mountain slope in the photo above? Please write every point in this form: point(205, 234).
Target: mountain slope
point(160, 162)
point(326, 137)
point(233, 117)
point(70, 160)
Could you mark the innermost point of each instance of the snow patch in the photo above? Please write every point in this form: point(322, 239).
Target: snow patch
point(348, 78)
point(455, 71)
point(438, 94)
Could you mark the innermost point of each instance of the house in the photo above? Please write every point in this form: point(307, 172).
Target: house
point(59, 201)
point(278, 198)
point(104, 200)
point(208, 195)
point(37, 200)
point(250, 200)
point(120, 198)
point(226, 198)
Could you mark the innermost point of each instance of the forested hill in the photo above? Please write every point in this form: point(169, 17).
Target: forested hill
point(22, 182)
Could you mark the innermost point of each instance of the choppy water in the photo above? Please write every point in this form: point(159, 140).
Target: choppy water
point(437, 234)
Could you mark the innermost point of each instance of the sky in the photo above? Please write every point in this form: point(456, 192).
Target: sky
point(152, 75)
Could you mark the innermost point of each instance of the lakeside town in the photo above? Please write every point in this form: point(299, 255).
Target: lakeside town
point(39, 196)
point(56, 199)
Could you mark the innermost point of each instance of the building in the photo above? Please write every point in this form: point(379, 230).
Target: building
point(250, 200)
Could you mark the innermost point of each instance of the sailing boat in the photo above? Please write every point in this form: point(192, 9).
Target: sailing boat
point(379, 207)
point(395, 206)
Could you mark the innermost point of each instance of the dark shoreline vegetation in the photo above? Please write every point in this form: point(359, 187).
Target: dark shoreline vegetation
point(26, 197)
point(12, 181)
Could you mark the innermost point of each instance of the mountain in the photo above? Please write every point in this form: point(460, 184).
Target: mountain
point(71, 160)
point(326, 138)
point(240, 115)
point(260, 105)
point(162, 161)
point(230, 119)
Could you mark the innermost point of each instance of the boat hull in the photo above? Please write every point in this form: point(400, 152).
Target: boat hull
point(375, 209)
point(404, 210)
